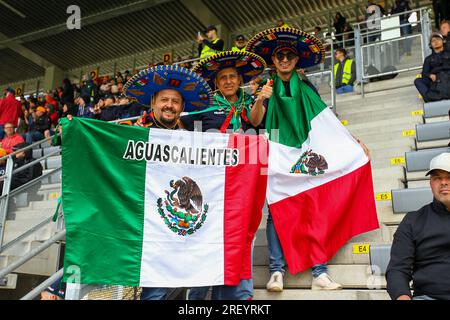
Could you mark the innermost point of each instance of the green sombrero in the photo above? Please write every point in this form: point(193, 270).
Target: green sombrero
point(306, 46)
point(247, 64)
point(195, 91)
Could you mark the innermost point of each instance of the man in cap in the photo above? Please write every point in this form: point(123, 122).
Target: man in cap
point(285, 52)
point(10, 110)
point(210, 46)
point(421, 248)
point(240, 43)
point(431, 66)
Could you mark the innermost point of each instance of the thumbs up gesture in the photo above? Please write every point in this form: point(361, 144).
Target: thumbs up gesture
point(267, 91)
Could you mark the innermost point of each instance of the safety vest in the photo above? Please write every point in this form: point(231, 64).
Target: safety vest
point(237, 49)
point(207, 51)
point(347, 72)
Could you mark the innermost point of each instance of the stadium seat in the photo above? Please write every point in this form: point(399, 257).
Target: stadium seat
point(433, 131)
point(49, 150)
point(436, 109)
point(420, 160)
point(54, 162)
point(37, 153)
point(380, 256)
point(408, 200)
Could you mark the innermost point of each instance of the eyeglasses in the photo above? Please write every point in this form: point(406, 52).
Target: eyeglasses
point(290, 56)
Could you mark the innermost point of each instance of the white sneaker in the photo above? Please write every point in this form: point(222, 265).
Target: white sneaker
point(325, 282)
point(275, 283)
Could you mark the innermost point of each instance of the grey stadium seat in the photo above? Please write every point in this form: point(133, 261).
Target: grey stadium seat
point(37, 153)
point(436, 109)
point(49, 150)
point(54, 162)
point(408, 200)
point(433, 131)
point(380, 255)
point(420, 160)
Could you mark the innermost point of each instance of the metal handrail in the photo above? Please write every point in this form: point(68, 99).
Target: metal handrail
point(392, 15)
point(36, 291)
point(30, 255)
point(26, 234)
point(31, 146)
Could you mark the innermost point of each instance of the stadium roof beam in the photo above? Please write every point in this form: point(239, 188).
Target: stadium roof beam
point(207, 17)
point(92, 19)
point(25, 52)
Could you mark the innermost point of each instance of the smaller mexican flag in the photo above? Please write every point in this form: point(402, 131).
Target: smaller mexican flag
point(160, 208)
point(320, 189)
point(141, 82)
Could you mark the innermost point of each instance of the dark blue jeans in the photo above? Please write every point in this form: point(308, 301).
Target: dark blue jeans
point(276, 256)
point(156, 293)
point(423, 86)
point(34, 136)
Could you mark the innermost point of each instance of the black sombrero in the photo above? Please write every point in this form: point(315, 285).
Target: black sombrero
point(248, 65)
point(194, 89)
point(308, 48)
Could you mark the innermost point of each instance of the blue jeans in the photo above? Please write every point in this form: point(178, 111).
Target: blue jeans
point(423, 86)
point(276, 256)
point(344, 89)
point(34, 136)
point(156, 293)
point(2, 131)
point(243, 291)
point(423, 298)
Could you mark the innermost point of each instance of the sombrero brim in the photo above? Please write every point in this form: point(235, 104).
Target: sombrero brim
point(195, 91)
point(309, 48)
point(247, 64)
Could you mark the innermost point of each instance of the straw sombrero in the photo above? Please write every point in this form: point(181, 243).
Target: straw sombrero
point(309, 48)
point(248, 65)
point(194, 89)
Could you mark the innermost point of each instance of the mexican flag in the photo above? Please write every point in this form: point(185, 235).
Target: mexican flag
point(160, 208)
point(320, 189)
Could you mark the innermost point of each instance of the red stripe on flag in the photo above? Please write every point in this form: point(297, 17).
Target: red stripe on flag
point(245, 193)
point(312, 226)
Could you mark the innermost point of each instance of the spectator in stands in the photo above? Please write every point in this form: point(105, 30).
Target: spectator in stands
point(431, 65)
point(85, 108)
point(11, 138)
point(434, 82)
point(421, 248)
point(240, 43)
point(67, 93)
point(349, 36)
point(339, 25)
point(10, 110)
point(445, 31)
point(399, 7)
point(373, 21)
point(53, 115)
point(89, 89)
point(105, 88)
point(40, 128)
point(211, 45)
point(21, 159)
point(69, 108)
point(114, 87)
point(318, 33)
point(344, 72)
point(57, 291)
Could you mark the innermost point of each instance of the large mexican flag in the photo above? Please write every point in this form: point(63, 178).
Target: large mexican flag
point(320, 189)
point(160, 208)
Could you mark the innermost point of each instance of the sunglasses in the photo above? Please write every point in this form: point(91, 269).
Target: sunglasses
point(290, 56)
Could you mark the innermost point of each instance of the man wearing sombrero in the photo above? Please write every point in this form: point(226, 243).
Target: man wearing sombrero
point(169, 90)
point(227, 72)
point(229, 112)
point(285, 50)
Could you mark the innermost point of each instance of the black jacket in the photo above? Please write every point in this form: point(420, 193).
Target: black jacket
point(421, 253)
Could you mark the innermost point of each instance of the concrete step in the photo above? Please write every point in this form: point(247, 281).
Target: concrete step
point(299, 294)
point(436, 119)
point(383, 114)
point(33, 214)
point(350, 276)
point(383, 126)
point(433, 144)
point(42, 234)
point(38, 265)
point(41, 205)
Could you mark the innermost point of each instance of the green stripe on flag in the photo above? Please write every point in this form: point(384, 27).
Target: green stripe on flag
point(292, 116)
point(103, 199)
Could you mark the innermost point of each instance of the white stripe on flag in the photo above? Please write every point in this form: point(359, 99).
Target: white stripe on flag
point(329, 138)
point(169, 259)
